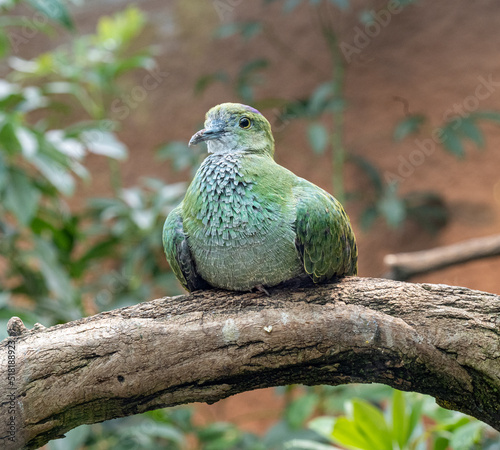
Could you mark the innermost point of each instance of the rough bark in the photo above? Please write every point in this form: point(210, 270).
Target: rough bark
point(403, 266)
point(436, 339)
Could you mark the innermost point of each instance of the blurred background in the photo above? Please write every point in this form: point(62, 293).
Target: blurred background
point(392, 106)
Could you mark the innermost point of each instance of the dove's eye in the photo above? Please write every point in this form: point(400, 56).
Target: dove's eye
point(245, 123)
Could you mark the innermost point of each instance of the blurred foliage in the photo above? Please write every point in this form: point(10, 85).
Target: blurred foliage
point(58, 262)
point(89, 66)
point(387, 419)
point(182, 156)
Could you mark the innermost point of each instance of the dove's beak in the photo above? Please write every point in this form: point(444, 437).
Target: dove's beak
point(206, 134)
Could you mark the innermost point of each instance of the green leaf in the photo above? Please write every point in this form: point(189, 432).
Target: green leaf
point(370, 170)
point(322, 425)
point(4, 299)
point(252, 66)
point(27, 140)
point(55, 173)
point(251, 29)
point(392, 207)
point(247, 29)
point(248, 77)
point(346, 433)
point(227, 30)
point(101, 250)
point(54, 10)
point(144, 219)
point(366, 16)
point(135, 62)
point(318, 137)
point(441, 443)
point(294, 110)
point(104, 143)
point(115, 31)
point(290, 5)
point(452, 141)
point(74, 438)
point(319, 99)
point(281, 432)
point(486, 115)
point(33, 98)
point(207, 80)
point(399, 419)
point(466, 436)
point(304, 444)
point(341, 4)
point(8, 139)
point(66, 146)
point(59, 87)
point(335, 105)
point(470, 130)
point(21, 196)
point(63, 236)
point(3, 173)
point(368, 217)
point(55, 276)
point(450, 422)
point(158, 430)
point(4, 44)
point(301, 409)
point(415, 416)
point(177, 151)
point(371, 422)
point(407, 126)
point(8, 90)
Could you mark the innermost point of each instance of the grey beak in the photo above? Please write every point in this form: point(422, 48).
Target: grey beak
point(205, 135)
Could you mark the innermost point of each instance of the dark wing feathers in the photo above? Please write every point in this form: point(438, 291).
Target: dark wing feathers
point(324, 237)
point(175, 243)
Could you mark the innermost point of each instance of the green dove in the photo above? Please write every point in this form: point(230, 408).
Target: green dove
point(246, 222)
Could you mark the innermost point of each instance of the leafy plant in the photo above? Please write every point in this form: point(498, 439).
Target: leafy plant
point(408, 422)
point(52, 255)
point(88, 68)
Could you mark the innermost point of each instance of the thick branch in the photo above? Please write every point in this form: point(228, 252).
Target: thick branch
point(436, 339)
point(403, 266)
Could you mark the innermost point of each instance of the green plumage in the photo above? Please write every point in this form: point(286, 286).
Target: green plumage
point(246, 221)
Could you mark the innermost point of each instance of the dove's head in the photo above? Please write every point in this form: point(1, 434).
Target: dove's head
point(232, 127)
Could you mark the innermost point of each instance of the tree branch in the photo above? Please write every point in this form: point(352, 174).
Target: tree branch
point(436, 339)
point(403, 266)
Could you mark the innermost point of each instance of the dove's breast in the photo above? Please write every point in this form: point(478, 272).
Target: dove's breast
point(238, 237)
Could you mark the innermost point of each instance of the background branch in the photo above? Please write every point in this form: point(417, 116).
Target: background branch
point(403, 266)
point(434, 339)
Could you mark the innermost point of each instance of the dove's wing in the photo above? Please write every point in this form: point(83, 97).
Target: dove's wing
point(175, 243)
point(324, 237)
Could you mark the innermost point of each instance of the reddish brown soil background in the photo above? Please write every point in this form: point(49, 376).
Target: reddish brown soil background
point(433, 54)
